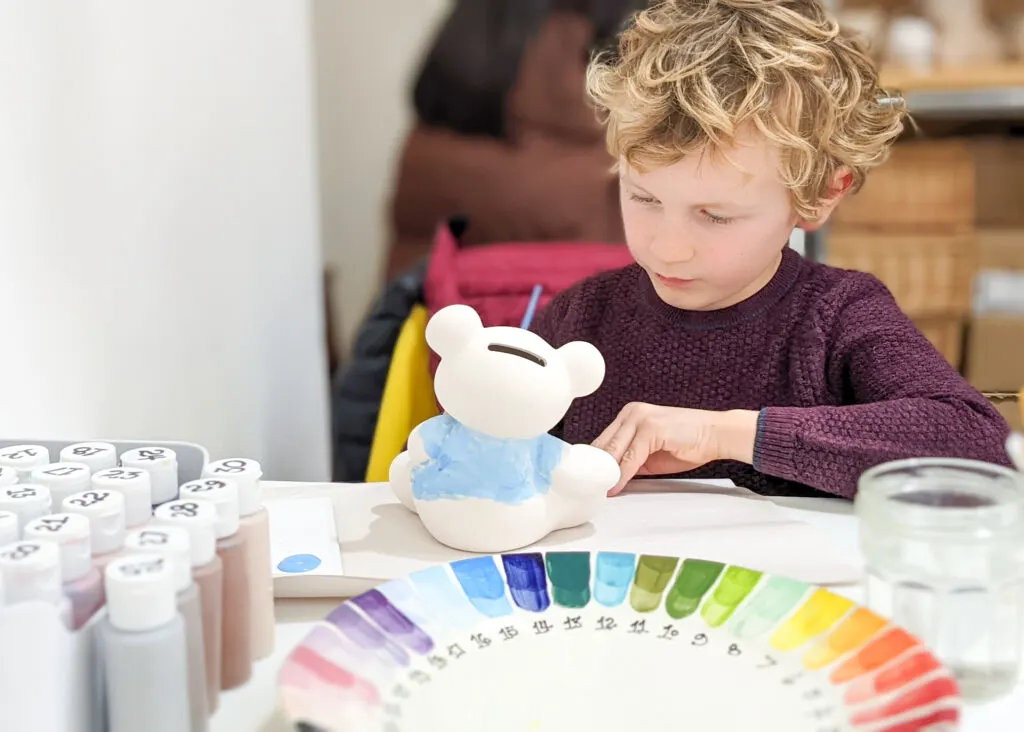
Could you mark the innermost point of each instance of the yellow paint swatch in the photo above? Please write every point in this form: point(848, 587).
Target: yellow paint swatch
point(852, 633)
point(818, 614)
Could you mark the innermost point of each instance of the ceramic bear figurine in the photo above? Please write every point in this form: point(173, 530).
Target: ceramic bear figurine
point(485, 476)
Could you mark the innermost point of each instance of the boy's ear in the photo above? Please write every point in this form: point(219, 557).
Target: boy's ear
point(842, 182)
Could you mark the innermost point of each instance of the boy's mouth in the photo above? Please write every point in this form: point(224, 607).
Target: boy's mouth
point(674, 282)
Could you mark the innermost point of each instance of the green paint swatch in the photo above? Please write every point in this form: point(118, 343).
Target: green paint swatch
point(736, 584)
point(569, 574)
point(771, 603)
point(695, 578)
point(652, 576)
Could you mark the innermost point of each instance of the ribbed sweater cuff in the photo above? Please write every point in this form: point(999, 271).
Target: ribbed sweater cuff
point(776, 444)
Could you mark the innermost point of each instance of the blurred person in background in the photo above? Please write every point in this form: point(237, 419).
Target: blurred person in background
point(504, 133)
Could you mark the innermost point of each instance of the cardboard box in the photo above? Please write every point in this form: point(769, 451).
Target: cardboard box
point(1001, 249)
point(995, 353)
point(999, 179)
point(1009, 405)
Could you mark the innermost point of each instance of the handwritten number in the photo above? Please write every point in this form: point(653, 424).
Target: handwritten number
point(768, 662)
point(699, 640)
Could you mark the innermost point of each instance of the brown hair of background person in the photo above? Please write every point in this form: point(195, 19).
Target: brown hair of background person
point(504, 133)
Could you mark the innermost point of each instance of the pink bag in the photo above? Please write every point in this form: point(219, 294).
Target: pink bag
point(497, 280)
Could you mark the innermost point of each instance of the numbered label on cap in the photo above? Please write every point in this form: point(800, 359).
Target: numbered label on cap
point(25, 454)
point(87, 450)
point(61, 470)
point(183, 509)
point(232, 466)
point(140, 567)
point(22, 551)
point(147, 455)
point(52, 524)
point(88, 499)
point(206, 485)
point(121, 474)
point(25, 492)
point(152, 537)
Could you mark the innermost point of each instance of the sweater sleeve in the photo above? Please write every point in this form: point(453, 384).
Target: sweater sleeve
point(899, 399)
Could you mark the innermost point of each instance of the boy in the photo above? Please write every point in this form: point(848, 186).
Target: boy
point(728, 355)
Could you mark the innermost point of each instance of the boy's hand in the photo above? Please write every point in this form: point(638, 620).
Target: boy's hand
point(647, 439)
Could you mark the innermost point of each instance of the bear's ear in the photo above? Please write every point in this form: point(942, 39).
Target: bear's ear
point(585, 366)
point(451, 328)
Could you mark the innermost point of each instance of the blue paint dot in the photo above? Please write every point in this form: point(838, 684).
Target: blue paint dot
point(297, 563)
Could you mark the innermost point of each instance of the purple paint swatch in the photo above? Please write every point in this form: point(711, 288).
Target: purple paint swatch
point(393, 622)
point(357, 629)
point(527, 581)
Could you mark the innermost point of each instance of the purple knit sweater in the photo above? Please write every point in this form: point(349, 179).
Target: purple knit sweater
point(842, 379)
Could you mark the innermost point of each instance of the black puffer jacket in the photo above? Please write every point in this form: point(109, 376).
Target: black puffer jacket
point(359, 386)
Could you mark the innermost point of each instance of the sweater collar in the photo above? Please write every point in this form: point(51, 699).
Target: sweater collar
point(753, 307)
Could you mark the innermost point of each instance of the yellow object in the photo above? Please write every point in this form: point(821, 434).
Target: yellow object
point(821, 611)
point(408, 395)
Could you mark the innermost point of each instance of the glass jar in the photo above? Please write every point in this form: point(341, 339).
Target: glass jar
point(944, 545)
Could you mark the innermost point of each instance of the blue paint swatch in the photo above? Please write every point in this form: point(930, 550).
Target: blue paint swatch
point(613, 575)
point(527, 582)
point(298, 563)
point(437, 590)
point(483, 585)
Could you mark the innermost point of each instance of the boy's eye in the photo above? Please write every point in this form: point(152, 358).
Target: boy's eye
point(642, 199)
point(716, 219)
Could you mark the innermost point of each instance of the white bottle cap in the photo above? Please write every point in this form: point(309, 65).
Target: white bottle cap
point(26, 500)
point(140, 591)
point(162, 464)
point(70, 532)
point(9, 527)
point(24, 459)
point(63, 479)
point(105, 511)
point(171, 542)
point(247, 474)
point(199, 518)
point(135, 485)
point(31, 571)
point(223, 494)
point(8, 476)
point(95, 455)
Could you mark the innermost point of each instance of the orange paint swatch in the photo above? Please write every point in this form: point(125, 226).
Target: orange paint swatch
point(929, 721)
point(818, 614)
point(877, 652)
point(852, 633)
point(922, 696)
point(895, 677)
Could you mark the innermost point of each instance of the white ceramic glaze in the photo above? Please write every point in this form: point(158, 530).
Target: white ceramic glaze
point(486, 476)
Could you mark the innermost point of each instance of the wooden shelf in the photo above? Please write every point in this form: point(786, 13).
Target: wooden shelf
point(968, 92)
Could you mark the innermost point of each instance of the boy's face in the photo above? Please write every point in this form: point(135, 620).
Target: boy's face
point(710, 229)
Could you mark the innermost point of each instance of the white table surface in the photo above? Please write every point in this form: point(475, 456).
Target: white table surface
point(252, 708)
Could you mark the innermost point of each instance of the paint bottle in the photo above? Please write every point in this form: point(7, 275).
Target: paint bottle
point(8, 476)
point(199, 518)
point(31, 571)
point(10, 529)
point(96, 456)
point(134, 484)
point(172, 543)
point(105, 511)
point(23, 459)
point(63, 479)
point(236, 633)
point(26, 501)
point(254, 527)
point(142, 641)
point(81, 582)
point(162, 465)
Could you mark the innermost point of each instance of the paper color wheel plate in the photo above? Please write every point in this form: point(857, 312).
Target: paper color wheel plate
point(565, 641)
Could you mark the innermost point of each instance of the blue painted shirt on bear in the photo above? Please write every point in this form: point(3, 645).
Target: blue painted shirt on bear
point(464, 463)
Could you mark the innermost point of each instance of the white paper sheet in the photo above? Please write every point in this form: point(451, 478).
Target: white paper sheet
point(381, 540)
point(303, 537)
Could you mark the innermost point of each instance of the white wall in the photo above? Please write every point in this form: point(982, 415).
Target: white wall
point(367, 55)
point(159, 244)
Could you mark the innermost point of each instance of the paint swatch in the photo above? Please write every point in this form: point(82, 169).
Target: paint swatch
point(368, 651)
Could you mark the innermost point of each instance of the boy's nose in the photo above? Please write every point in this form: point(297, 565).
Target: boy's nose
point(672, 249)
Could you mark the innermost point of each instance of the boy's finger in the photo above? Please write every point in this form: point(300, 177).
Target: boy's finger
point(619, 441)
point(633, 458)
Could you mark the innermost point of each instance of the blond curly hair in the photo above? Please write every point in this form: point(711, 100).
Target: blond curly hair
point(688, 74)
